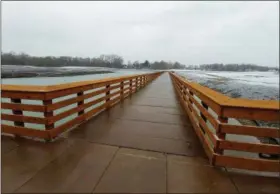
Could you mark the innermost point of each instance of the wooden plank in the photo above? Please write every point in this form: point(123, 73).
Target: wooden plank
point(249, 147)
point(251, 113)
point(207, 148)
point(212, 136)
point(69, 91)
point(209, 117)
point(22, 95)
point(65, 92)
point(199, 91)
point(23, 107)
point(43, 89)
point(250, 130)
point(24, 119)
point(77, 109)
point(23, 131)
point(251, 103)
point(74, 110)
point(73, 100)
point(70, 124)
point(23, 88)
point(247, 163)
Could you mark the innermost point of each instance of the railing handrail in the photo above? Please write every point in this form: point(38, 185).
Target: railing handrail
point(83, 100)
point(226, 101)
point(70, 85)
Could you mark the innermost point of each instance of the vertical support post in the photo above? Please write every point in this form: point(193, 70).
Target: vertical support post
point(130, 86)
point(137, 84)
point(220, 135)
point(121, 88)
point(184, 93)
point(202, 115)
point(17, 112)
point(191, 100)
point(48, 114)
point(206, 107)
point(108, 92)
point(80, 103)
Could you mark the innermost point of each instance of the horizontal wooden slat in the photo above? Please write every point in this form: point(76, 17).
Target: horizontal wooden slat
point(247, 163)
point(23, 131)
point(70, 124)
point(23, 107)
point(75, 99)
point(252, 103)
point(209, 99)
point(209, 117)
point(77, 109)
point(74, 110)
point(22, 118)
point(249, 147)
point(250, 130)
point(212, 136)
point(208, 150)
point(23, 95)
point(251, 113)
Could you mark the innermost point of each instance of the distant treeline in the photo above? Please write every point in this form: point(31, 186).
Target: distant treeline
point(235, 67)
point(113, 61)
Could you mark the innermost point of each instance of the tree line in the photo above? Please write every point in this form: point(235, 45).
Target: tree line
point(235, 67)
point(111, 61)
point(116, 61)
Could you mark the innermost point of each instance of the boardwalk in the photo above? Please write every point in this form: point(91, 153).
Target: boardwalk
point(145, 144)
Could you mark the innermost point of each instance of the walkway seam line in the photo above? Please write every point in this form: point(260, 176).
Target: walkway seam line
point(109, 164)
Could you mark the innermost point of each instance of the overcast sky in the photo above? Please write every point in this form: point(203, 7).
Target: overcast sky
point(188, 32)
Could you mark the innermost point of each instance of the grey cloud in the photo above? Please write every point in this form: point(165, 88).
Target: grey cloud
point(189, 32)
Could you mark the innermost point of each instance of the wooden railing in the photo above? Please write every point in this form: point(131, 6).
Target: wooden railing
point(57, 108)
point(210, 111)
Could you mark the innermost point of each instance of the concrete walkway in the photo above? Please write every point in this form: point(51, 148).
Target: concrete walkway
point(143, 145)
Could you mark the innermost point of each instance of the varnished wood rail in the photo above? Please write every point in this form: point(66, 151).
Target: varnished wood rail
point(209, 112)
point(61, 107)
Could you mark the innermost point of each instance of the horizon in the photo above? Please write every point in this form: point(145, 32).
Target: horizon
point(188, 32)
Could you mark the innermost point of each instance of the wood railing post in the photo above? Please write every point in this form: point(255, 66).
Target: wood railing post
point(80, 103)
point(206, 107)
point(48, 114)
point(137, 83)
point(108, 92)
point(130, 86)
point(184, 93)
point(190, 92)
point(17, 112)
point(220, 135)
point(202, 115)
point(122, 92)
